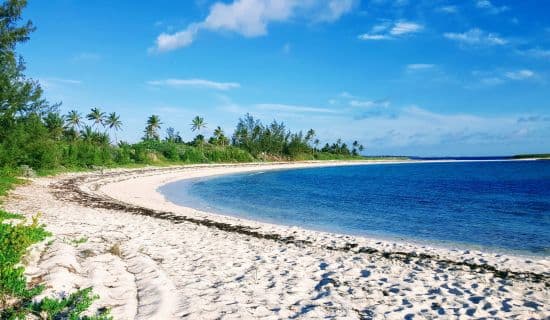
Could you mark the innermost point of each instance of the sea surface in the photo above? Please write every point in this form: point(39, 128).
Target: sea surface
point(496, 205)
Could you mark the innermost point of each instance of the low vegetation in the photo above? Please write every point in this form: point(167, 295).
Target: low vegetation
point(16, 294)
point(532, 156)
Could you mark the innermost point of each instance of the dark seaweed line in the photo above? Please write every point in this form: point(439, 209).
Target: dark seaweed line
point(68, 189)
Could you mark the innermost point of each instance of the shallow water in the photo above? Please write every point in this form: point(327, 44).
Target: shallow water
point(498, 205)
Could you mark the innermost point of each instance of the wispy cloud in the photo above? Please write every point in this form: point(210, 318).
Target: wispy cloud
point(536, 53)
point(403, 27)
point(49, 82)
point(520, 74)
point(86, 56)
point(476, 37)
point(447, 9)
point(419, 66)
point(251, 18)
point(295, 109)
point(387, 31)
point(369, 103)
point(490, 7)
point(367, 36)
point(494, 78)
point(195, 83)
point(347, 95)
point(533, 118)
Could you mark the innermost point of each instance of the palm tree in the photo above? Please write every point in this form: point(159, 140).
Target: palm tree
point(361, 148)
point(153, 125)
point(316, 143)
point(87, 133)
point(74, 119)
point(55, 124)
point(309, 135)
point(113, 123)
point(97, 116)
point(219, 137)
point(218, 132)
point(197, 124)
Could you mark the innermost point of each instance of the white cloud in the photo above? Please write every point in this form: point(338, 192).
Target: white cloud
point(197, 83)
point(402, 27)
point(250, 18)
point(50, 83)
point(419, 66)
point(294, 109)
point(389, 30)
point(493, 78)
point(369, 103)
point(347, 95)
point(447, 9)
point(357, 103)
point(491, 8)
point(476, 37)
point(336, 9)
point(367, 36)
point(167, 42)
point(520, 74)
point(536, 53)
point(381, 27)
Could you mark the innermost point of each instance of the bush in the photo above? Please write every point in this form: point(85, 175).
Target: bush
point(227, 154)
point(14, 241)
point(15, 294)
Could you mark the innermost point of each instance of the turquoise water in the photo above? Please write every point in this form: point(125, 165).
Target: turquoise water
point(499, 205)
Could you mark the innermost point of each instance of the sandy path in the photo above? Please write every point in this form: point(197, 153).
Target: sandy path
point(150, 259)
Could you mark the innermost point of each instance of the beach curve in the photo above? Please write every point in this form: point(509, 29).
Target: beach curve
point(189, 262)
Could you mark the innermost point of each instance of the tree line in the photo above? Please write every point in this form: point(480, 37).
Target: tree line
point(34, 133)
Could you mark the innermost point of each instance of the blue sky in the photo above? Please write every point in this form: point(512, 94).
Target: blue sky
point(402, 77)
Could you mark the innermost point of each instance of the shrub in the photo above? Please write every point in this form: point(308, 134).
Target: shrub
point(15, 294)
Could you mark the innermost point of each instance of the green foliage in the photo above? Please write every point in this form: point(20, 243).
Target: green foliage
point(7, 181)
point(79, 240)
point(70, 307)
point(152, 128)
point(532, 156)
point(16, 297)
point(14, 241)
point(227, 154)
point(8, 215)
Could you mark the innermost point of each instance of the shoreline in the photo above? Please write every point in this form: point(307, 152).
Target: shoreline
point(184, 246)
point(202, 206)
point(151, 191)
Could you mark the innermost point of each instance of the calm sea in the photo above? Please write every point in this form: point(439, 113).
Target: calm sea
point(502, 205)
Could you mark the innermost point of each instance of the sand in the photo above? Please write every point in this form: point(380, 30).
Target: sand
point(148, 258)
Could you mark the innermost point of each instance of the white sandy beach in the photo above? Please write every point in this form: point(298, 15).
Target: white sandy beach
point(151, 259)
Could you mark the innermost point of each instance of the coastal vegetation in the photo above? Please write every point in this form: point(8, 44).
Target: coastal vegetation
point(17, 296)
point(532, 156)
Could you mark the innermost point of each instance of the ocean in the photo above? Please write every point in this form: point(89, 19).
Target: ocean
point(492, 205)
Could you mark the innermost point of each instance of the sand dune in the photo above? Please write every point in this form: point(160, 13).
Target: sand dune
point(150, 259)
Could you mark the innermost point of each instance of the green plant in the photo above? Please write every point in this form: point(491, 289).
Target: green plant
point(16, 297)
point(8, 215)
point(14, 241)
point(70, 307)
point(79, 240)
